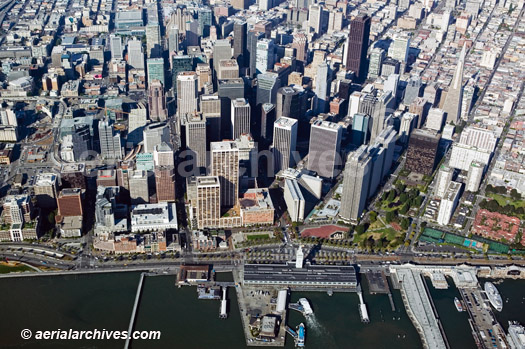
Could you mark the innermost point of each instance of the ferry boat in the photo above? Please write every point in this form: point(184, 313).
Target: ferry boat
point(307, 309)
point(516, 336)
point(458, 305)
point(301, 333)
point(494, 296)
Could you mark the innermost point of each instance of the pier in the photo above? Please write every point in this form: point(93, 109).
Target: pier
point(485, 328)
point(135, 307)
point(224, 303)
point(363, 312)
point(419, 308)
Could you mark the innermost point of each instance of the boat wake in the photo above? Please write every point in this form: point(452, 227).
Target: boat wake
point(315, 325)
point(319, 330)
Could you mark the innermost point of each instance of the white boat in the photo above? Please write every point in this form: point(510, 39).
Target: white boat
point(307, 309)
point(493, 296)
point(458, 305)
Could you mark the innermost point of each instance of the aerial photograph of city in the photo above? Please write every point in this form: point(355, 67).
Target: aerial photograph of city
point(262, 173)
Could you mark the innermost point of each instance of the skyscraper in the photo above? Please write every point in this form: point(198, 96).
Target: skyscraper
point(157, 101)
point(267, 119)
point(325, 146)
point(210, 106)
point(180, 64)
point(173, 39)
point(357, 45)
point(251, 48)
point(412, 90)
point(377, 55)
point(115, 43)
point(240, 4)
point(153, 44)
point(356, 183)
point(378, 108)
point(398, 50)
point(138, 187)
point(360, 126)
point(205, 21)
point(228, 69)
point(322, 83)
point(267, 86)
point(208, 201)
point(196, 138)
point(239, 42)
point(300, 44)
point(155, 134)
point(187, 93)
point(452, 106)
point(156, 70)
point(421, 152)
point(225, 165)
point(228, 90)
point(265, 56)
point(240, 117)
point(315, 18)
point(163, 155)
point(288, 103)
point(137, 119)
point(135, 54)
point(110, 147)
point(165, 183)
point(221, 50)
point(284, 143)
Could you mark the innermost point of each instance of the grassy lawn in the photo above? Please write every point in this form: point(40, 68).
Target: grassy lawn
point(387, 233)
point(11, 267)
point(257, 237)
point(505, 200)
point(376, 225)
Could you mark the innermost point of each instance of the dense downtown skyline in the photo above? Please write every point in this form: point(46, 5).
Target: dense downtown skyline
point(296, 145)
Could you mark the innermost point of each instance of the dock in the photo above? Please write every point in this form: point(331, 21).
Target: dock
point(419, 307)
point(485, 328)
point(363, 312)
point(224, 314)
point(135, 307)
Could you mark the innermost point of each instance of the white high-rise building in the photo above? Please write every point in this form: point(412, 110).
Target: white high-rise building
point(444, 177)
point(284, 143)
point(294, 199)
point(475, 174)
point(137, 119)
point(187, 93)
point(356, 183)
point(315, 18)
point(408, 123)
point(435, 119)
point(240, 117)
point(138, 187)
point(399, 48)
point(135, 54)
point(265, 55)
point(475, 144)
point(115, 43)
point(354, 103)
point(448, 203)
